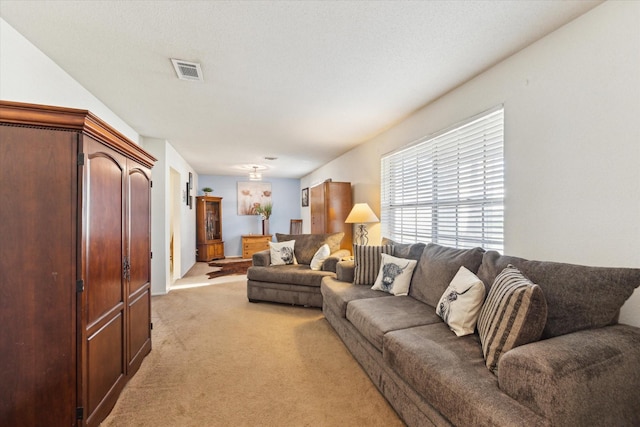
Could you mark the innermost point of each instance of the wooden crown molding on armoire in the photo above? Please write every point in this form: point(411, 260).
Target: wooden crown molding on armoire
point(75, 293)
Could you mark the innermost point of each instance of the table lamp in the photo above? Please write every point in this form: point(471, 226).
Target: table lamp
point(361, 214)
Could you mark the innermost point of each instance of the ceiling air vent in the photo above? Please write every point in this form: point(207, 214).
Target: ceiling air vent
point(187, 70)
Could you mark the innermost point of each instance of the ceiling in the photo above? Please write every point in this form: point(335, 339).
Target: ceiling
point(302, 81)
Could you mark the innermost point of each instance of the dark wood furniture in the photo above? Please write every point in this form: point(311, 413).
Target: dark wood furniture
point(252, 243)
point(75, 290)
point(209, 228)
point(330, 205)
point(295, 226)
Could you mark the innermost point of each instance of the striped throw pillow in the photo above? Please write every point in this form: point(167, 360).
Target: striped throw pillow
point(513, 314)
point(367, 263)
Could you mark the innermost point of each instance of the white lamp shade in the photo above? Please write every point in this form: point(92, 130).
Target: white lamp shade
point(361, 213)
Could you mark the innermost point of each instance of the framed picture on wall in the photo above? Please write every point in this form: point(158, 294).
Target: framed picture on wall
point(252, 195)
point(189, 197)
point(305, 196)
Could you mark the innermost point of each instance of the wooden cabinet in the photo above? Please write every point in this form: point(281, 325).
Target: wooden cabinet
point(209, 228)
point(330, 204)
point(253, 243)
point(75, 292)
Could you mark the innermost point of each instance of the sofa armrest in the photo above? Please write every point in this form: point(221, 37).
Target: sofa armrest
point(333, 259)
point(345, 271)
point(262, 258)
point(589, 377)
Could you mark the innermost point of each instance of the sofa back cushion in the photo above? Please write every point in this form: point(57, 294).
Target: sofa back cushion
point(308, 244)
point(438, 265)
point(405, 250)
point(578, 297)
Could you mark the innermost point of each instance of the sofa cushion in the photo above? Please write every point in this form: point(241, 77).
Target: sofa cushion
point(367, 263)
point(449, 372)
point(337, 294)
point(373, 317)
point(437, 267)
point(307, 244)
point(405, 250)
point(578, 297)
point(295, 274)
point(394, 275)
point(461, 302)
point(514, 314)
point(282, 253)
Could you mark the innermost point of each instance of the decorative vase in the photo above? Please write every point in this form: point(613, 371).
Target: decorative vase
point(265, 227)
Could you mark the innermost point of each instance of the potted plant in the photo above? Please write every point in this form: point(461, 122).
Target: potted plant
point(265, 212)
point(207, 190)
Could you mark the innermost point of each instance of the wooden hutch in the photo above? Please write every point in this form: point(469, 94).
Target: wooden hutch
point(209, 228)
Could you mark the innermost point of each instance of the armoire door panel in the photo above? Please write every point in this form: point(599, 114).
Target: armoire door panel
point(106, 373)
point(104, 295)
point(317, 206)
point(105, 225)
point(138, 230)
point(139, 254)
point(139, 330)
point(37, 285)
point(339, 205)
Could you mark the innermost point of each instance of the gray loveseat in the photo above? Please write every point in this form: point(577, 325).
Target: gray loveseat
point(583, 371)
point(295, 284)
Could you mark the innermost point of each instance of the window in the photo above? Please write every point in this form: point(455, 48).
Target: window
point(448, 188)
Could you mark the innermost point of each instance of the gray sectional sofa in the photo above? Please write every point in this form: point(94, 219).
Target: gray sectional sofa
point(295, 284)
point(583, 371)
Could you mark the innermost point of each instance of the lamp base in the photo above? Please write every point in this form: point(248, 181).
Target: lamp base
point(362, 237)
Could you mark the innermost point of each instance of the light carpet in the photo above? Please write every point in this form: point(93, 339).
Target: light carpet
point(218, 360)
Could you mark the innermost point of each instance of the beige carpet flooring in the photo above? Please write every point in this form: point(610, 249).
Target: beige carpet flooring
point(218, 360)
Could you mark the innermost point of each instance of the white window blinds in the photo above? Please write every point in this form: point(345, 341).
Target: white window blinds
point(448, 189)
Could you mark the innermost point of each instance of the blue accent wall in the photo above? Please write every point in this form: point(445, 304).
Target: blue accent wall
point(286, 206)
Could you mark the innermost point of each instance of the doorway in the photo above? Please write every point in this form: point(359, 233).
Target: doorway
point(175, 204)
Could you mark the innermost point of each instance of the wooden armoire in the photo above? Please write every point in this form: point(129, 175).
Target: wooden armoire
point(75, 290)
point(330, 204)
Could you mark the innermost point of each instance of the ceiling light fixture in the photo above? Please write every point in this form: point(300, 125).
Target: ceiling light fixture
point(255, 175)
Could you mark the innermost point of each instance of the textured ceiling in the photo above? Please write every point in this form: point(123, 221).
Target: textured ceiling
point(303, 81)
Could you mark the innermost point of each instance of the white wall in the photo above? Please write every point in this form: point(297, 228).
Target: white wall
point(572, 143)
point(28, 75)
point(168, 158)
